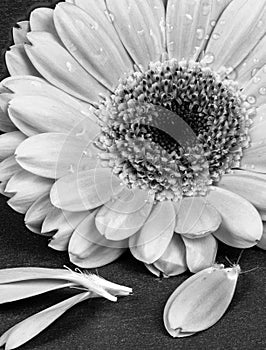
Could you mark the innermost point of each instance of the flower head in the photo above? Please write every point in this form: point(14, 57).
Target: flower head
point(138, 124)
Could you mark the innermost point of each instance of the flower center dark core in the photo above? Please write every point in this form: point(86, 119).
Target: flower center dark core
point(174, 129)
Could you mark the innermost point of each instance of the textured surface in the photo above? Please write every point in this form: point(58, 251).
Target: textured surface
point(134, 322)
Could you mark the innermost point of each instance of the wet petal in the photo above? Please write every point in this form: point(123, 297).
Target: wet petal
point(60, 68)
point(27, 188)
point(254, 158)
point(18, 62)
point(255, 89)
point(200, 252)
point(137, 25)
point(152, 240)
point(249, 185)
point(85, 190)
point(54, 155)
point(9, 142)
point(173, 260)
point(89, 249)
point(91, 45)
point(241, 225)
point(232, 41)
point(20, 32)
point(189, 24)
point(123, 215)
point(196, 217)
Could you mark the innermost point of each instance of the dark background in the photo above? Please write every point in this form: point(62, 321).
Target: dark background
point(134, 322)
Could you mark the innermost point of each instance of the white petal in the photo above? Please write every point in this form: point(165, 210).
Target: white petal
point(18, 62)
point(196, 217)
point(89, 249)
point(232, 41)
point(64, 223)
point(189, 23)
point(250, 185)
point(262, 242)
point(58, 66)
point(123, 215)
point(173, 260)
point(254, 158)
point(33, 325)
point(152, 240)
point(255, 89)
point(136, 22)
point(27, 188)
point(20, 32)
point(5, 123)
point(38, 114)
point(37, 213)
point(200, 252)
point(34, 86)
point(9, 142)
point(54, 155)
point(256, 59)
point(85, 190)
point(8, 168)
point(41, 20)
point(241, 225)
point(91, 45)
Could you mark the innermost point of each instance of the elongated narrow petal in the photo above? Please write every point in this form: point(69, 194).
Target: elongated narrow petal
point(54, 155)
point(9, 142)
point(85, 190)
point(27, 188)
point(200, 252)
point(20, 32)
point(26, 289)
point(8, 168)
point(18, 62)
point(250, 185)
point(37, 213)
point(5, 122)
point(173, 260)
point(152, 240)
point(200, 301)
point(89, 249)
point(89, 42)
point(60, 68)
point(241, 225)
point(124, 215)
point(41, 20)
point(33, 325)
point(196, 217)
point(136, 23)
point(232, 41)
point(189, 24)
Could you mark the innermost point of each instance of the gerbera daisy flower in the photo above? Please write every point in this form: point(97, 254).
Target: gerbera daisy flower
point(138, 124)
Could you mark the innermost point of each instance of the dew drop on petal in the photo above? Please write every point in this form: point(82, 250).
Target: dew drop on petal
point(255, 60)
point(222, 22)
point(170, 28)
point(189, 17)
point(262, 91)
point(140, 32)
point(252, 166)
point(260, 23)
point(251, 99)
point(254, 71)
point(205, 8)
point(216, 36)
point(264, 69)
point(208, 58)
point(213, 23)
point(109, 16)
point(69, 67)
point(256, 80)
point(71, 168)
point(200, 33)
point(36, 84)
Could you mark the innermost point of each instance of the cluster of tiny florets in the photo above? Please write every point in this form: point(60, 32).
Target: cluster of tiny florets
point(140, 122)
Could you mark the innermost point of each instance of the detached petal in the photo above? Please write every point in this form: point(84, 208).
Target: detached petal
point(85, 190)
point(89, 249)
point(196, 217)
point(241, 223)
point(152, 240)
point(200, 252)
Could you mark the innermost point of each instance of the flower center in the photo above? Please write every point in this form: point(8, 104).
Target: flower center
point(174, 129)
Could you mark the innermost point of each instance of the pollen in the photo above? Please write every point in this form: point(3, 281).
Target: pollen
point(174, 129)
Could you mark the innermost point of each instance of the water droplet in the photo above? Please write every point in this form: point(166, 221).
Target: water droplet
point(260, 23)
point(208, 58)
point(244, 64)
point(140, 32)
point(71, 168)
point(200, 33)
point(264, 68)
point(189, 17)
point(256, 80)
point(205, 8)
point(36, 84)
point(222, 22)
point(251, 99)
point(170, 28)
point(94, 25)
point(262, 91)
point(252, 166)
point(109, 16)
point(216, 36)
point(69, 67)
point(213, 23)
point(254, 71)
point(255, 60)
